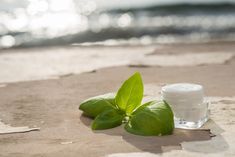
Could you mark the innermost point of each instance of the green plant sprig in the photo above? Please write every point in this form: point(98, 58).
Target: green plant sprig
point(154, 118)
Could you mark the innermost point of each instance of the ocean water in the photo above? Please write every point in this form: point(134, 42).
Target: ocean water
point(27, 23)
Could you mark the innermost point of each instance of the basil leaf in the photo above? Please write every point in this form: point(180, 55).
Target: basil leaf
point(152, 118)
point(95, 105)
point(108, 119)
point(130, 95)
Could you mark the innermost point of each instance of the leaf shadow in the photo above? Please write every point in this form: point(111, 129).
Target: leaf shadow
point(160, 144)
point(85, 120)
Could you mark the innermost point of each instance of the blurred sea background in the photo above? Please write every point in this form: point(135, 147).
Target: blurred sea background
point(27, 23)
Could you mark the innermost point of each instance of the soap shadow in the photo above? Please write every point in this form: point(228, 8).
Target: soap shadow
point(202, 140)
point(215, 145)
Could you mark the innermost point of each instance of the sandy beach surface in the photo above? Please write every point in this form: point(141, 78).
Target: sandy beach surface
point(43, 87)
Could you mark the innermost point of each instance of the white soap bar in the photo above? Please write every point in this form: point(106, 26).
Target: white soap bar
point(183, 92)
point(187, 102)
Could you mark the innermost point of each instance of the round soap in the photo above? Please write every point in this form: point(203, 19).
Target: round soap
point(192, 93)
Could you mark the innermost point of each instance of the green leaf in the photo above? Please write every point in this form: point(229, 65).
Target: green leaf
point(108, 119)
point(130, 95)
point(95, 105)
point(152, 118)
